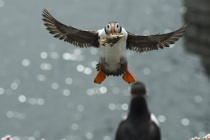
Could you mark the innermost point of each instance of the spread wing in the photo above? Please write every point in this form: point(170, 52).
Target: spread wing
point(70, 34)
point(153, 42)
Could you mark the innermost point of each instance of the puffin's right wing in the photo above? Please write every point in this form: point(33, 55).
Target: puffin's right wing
point(141, 43)
point(70, 34)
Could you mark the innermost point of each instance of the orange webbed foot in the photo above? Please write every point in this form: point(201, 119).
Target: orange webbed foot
point(100, 77)
point(127, 77)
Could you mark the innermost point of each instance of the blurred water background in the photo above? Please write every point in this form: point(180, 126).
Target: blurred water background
point(47, 89)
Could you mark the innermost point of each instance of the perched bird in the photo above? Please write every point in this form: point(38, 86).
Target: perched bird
point(112, 58)
point(140, 123)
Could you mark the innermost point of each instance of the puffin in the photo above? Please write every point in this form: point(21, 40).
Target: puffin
point(140, 123)
point(112, 58)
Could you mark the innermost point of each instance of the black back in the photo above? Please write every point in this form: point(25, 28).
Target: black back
point(138, 125)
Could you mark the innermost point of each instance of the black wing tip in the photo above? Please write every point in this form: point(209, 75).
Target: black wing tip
point(175, 37)
point(44, 11)
point(50, 23)
point(182, 29)
point(47, 15)
point(186, 25)
point(179, 33)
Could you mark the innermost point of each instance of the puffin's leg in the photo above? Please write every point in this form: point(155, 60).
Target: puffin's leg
point(100, 77)
point(127, 77)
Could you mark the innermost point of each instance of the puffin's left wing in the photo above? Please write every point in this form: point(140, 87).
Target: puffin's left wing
point(70, 34)
point(153, 42)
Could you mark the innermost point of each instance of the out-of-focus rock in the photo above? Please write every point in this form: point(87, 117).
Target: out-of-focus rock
point(197, 36)
point(207, 137)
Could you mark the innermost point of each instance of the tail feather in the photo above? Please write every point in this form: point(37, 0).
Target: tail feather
point(118, 72)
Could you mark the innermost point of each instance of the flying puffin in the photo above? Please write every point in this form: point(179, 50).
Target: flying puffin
point(140, 123)
point(112, 58)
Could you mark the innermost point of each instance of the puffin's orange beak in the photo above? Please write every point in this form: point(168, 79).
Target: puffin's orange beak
point(112, 30)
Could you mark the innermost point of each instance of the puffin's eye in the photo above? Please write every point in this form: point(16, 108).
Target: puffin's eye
point(117, 26)
point(108, 26)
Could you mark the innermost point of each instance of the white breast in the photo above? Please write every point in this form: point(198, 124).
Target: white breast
point(112, 55)
point(154, 119)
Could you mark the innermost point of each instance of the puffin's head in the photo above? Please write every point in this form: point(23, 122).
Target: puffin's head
point(113, 28)
point(138, 89)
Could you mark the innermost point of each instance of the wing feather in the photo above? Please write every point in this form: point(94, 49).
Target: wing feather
point(141, 43)
point(77, 37)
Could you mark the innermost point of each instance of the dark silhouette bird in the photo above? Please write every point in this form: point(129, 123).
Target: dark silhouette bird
point(140, 123)
point(112, 58)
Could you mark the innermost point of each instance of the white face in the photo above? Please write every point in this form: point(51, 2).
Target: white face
point(113, 28)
